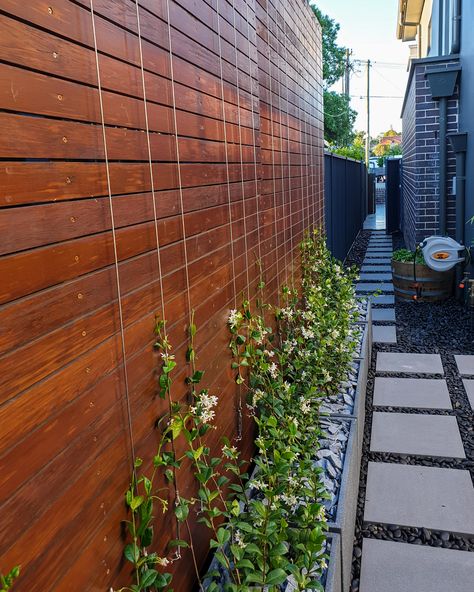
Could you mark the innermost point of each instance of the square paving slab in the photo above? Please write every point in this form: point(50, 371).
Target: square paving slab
point(423, 435)
point(369, 277)
point(382, 299)
point(429, 497)
point(410, 363)
point(374, 287)
point(401, 567)
point(465, 365)
point(375, 268)
point(383, 314)
point(469, 386)
point(384, 334)
point(422, 393)
point(373, 254)
point(377, 261)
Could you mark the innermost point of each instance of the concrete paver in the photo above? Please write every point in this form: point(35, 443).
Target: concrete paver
point(424, 393)
point(378, 260)
point(369, 277)
point(465, 365)
point(383, 299)
point(383, 314)
point(384, 334)
point(400, 567)
point(412, 495)
point(374, 287)
point(409, 363)
point(375, 268)
point(416, 434)
point(469, 386)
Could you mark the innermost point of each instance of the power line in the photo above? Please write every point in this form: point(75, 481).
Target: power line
point(396, 64)
point(376, 97)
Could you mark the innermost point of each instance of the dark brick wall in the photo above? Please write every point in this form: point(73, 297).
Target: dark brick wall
point(421, 156)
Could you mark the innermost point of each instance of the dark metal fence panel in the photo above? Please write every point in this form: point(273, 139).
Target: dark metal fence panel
point(345, 187)
point(392, 211)
point(371, 194)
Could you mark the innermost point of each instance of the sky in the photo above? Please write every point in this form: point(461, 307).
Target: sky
point(368, 28)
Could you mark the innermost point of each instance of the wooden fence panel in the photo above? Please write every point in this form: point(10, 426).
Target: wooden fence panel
point(143, 170)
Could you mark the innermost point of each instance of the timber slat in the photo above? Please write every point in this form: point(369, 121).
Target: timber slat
point(236, 163)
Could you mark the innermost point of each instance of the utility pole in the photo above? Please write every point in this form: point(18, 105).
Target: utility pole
point(367, 139)
point(347, 75)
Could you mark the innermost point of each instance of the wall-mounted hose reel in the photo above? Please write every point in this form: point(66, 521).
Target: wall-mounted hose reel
point(442, 253)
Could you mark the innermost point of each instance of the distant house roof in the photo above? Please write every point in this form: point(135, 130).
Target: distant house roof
point(409, 16)
point(390, 140)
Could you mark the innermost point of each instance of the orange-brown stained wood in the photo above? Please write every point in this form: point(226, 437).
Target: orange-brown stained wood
point(233, 193)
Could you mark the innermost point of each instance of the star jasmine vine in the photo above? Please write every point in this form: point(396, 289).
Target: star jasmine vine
point(269, 527)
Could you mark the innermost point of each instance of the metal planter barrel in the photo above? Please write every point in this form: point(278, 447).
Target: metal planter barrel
point(419, 280)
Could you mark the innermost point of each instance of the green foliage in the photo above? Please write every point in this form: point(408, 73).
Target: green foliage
point(270, 526)
point(406, 256)
point(334, 55)
point(7, 580)
point(339, 119)
point(355, 152)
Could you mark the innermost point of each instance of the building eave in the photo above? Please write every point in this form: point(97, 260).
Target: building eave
point(409, 17)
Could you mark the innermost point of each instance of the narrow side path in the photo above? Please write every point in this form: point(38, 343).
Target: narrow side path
point(415, 529)
point(376, 277)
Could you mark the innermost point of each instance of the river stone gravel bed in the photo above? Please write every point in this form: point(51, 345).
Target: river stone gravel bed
point(445, 328)
point(357, 253)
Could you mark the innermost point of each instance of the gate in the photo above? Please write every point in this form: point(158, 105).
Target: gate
point(392, 206)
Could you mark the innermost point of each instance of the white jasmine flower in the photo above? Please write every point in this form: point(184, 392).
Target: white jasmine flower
point(204, 407)
point(305, 405)
point(239, 540)
point(162, 561)
point(258, 484)
point(307, 333)
point(273, 370)
point(268, 353)
point(234, 318)
point(291, 500)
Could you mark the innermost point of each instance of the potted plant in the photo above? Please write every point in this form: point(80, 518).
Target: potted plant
point(414, 280)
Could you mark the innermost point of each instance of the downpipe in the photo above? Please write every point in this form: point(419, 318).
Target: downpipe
point(443, 153)
point(460, 216)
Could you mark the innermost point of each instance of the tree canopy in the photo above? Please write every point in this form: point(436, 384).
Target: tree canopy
point(334, 55)
point(339, 118)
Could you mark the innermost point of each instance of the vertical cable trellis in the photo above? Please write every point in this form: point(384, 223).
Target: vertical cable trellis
point(229, 203)
point(241, 154)
point(226, 148)
point(282, 172)
point(157, 240)
point(178, 160)
point(257, 196)
point(114, 239)
point(275, 221)
point(239, 402)
point(288, 134)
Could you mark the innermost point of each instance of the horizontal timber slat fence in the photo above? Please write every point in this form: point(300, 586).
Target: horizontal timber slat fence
point(345, 189)
point(155, 155)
